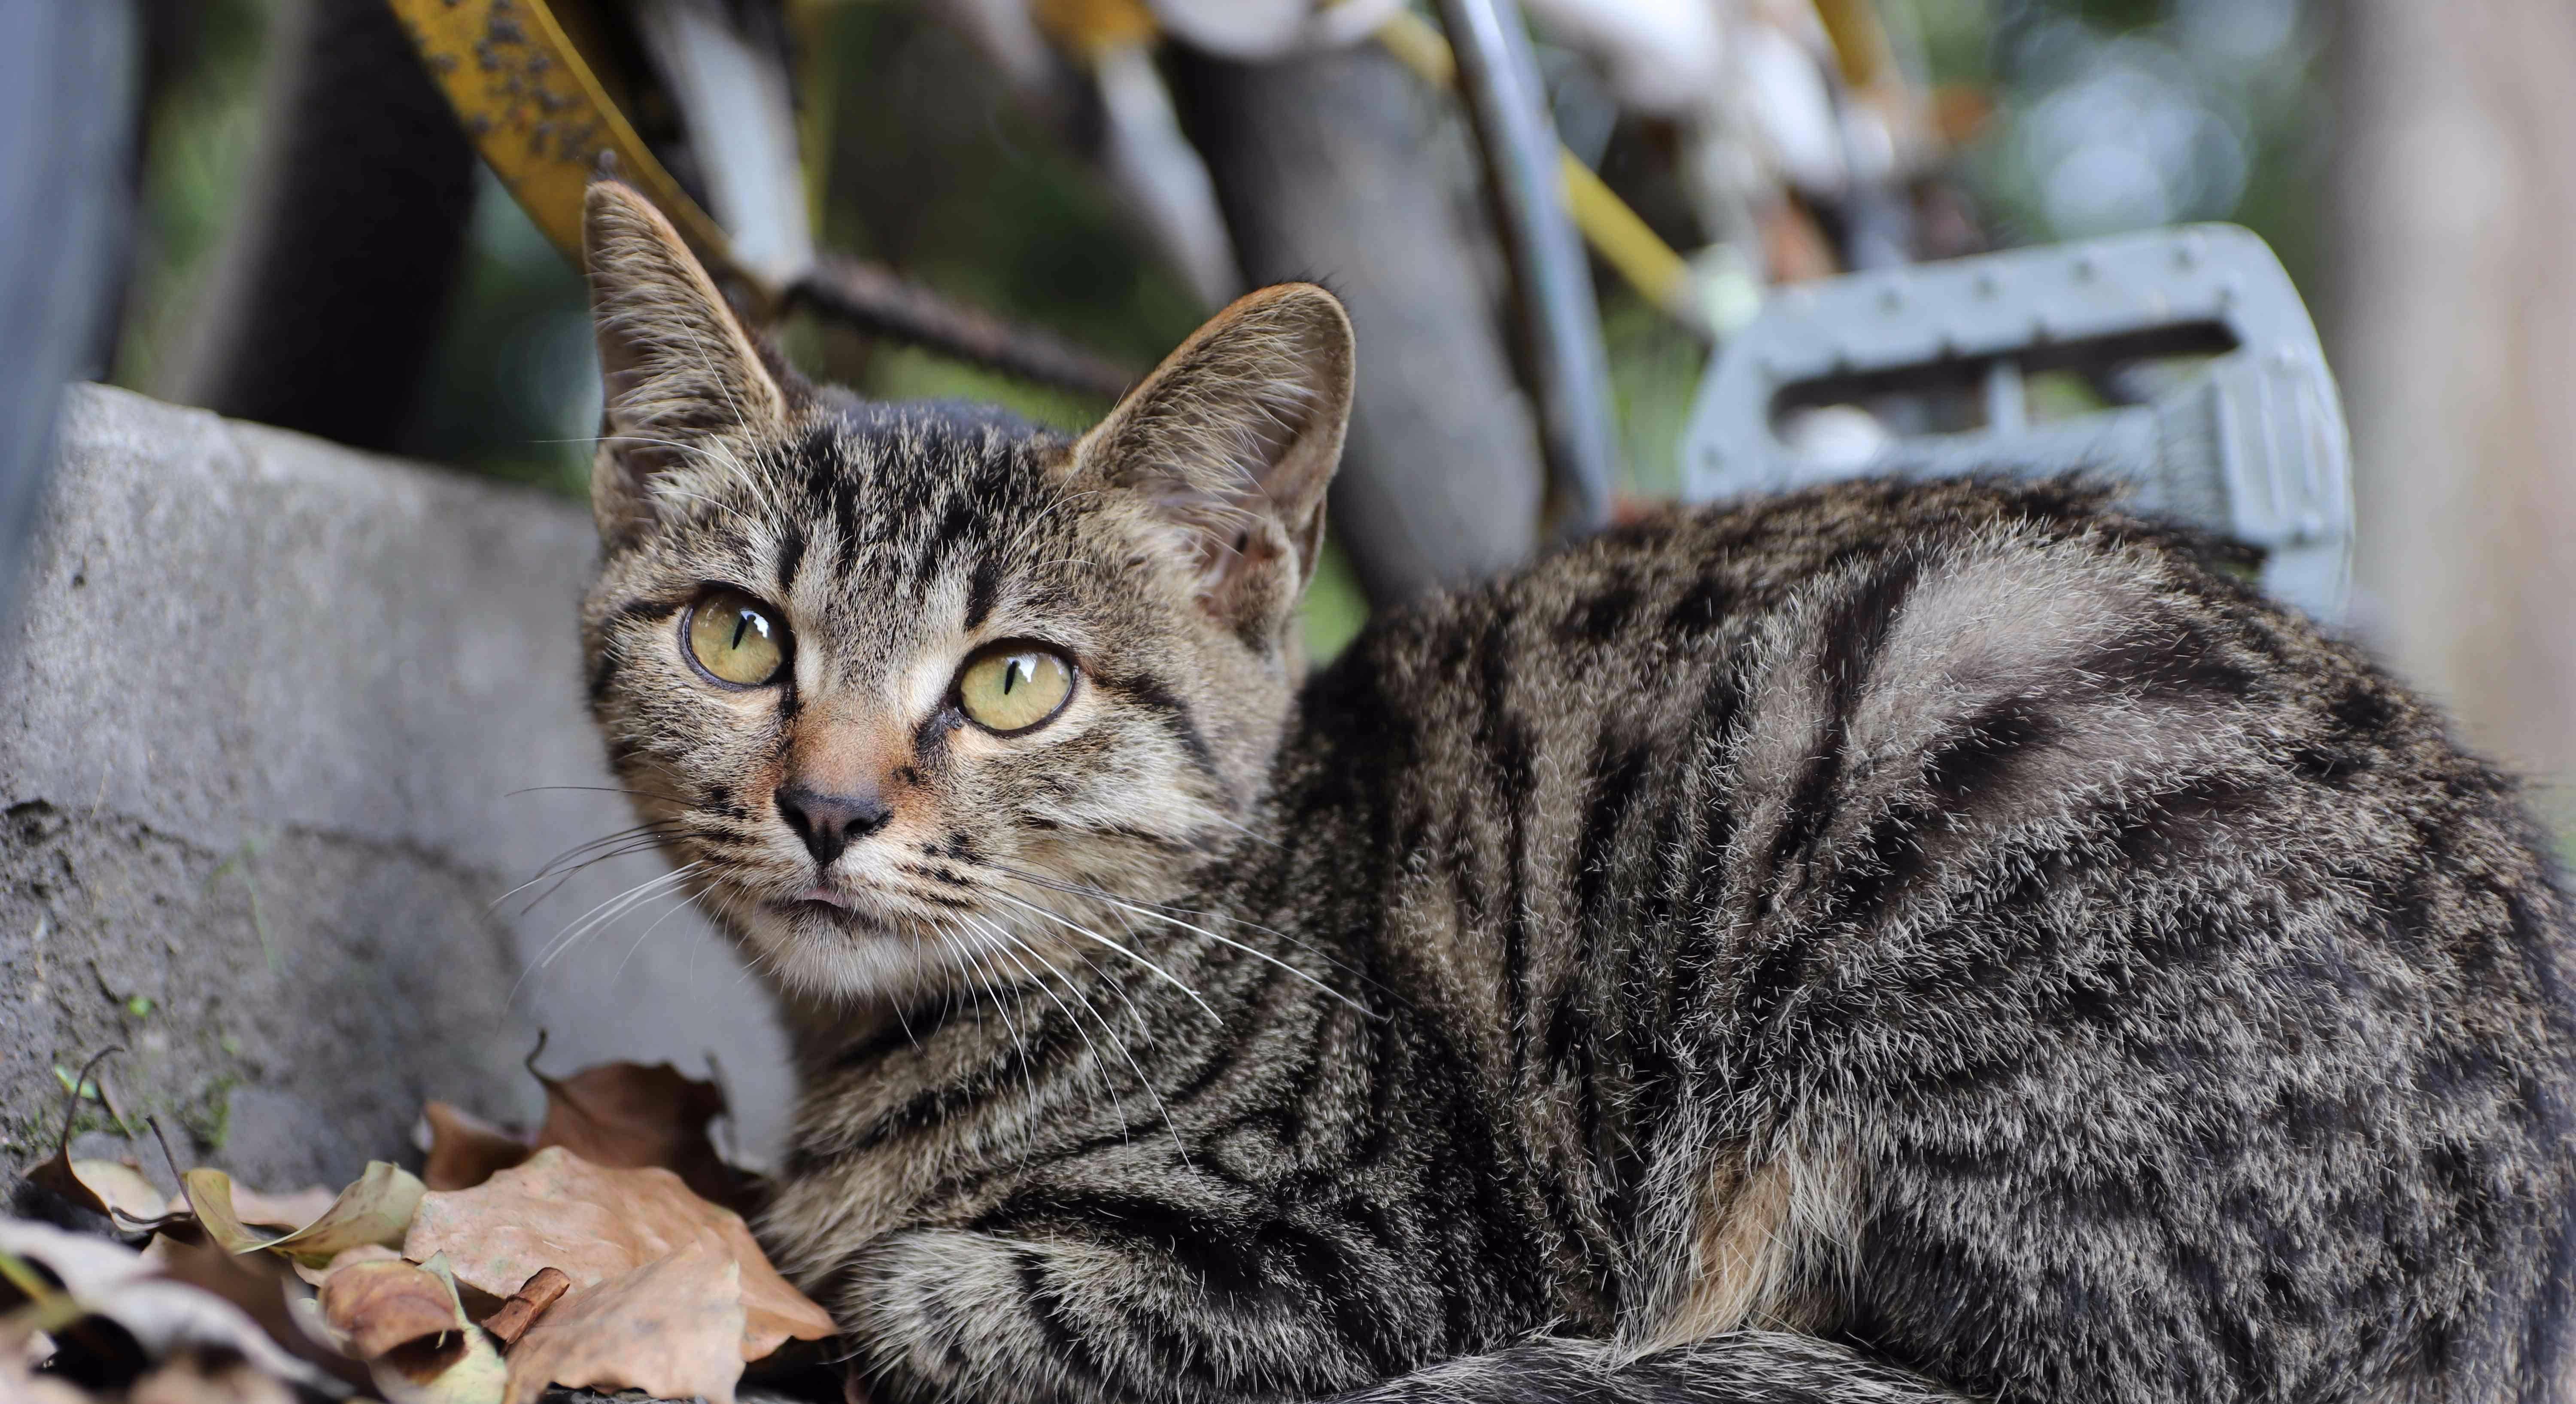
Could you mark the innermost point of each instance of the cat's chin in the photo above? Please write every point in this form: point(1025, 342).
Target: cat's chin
point(820, 946)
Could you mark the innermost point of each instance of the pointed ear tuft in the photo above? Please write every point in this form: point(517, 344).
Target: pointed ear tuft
point(679, 367)
point(1234, 439)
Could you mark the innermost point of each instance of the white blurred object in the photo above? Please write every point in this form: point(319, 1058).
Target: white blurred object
point(1663, 58)
point(1789, 98)
point(1839, 440)
point(1151, 161)
point(741, 117)
point(1255, 30)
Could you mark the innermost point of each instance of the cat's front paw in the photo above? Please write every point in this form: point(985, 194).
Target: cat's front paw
point(940, 1314)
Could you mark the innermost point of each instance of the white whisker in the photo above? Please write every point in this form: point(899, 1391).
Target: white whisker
point(1087, 933)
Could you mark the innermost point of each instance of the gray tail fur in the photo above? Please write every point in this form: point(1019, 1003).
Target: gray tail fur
point(1743, 1367)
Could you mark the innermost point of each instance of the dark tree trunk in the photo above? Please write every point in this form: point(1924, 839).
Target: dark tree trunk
point(329, 297)
point(1330, 168)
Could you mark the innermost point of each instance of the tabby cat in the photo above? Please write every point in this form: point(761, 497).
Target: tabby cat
point(1885, 943)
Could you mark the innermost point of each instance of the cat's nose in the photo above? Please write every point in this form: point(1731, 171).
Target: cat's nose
point(830, 823)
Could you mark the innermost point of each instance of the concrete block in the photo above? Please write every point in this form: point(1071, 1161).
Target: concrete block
point(279, 726)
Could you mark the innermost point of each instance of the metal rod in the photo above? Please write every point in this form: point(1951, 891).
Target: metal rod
point(878, 300)
point(1507, 106)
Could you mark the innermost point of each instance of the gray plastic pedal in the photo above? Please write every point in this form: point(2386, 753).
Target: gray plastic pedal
point(1922, 369)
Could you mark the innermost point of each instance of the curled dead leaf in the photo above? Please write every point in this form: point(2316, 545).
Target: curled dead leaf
point(115, 1188)
point(405, 1321)
point(523, 1308)
point(672, 1328)
point(107, 1182)
point(376, 1306)
point(464, 1150)
point(595, 1223)
point(376, 1209)
point(363, 1253)
point(627, 1116)
point(283, 1212)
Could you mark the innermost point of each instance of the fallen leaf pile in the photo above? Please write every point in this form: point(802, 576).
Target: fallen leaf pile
point(607, 1251)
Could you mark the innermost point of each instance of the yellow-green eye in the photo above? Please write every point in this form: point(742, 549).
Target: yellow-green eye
point(736, 638)
point(1014, 687)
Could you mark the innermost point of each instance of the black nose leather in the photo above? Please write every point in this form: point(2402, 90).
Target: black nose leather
point(830, 823)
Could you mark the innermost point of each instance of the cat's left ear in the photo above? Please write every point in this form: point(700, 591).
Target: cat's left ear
point(680, 370)
point(1233, 440)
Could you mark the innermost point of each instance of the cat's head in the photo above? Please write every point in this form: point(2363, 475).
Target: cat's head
point(903, 687)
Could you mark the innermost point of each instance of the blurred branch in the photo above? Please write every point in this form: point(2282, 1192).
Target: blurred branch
point(877, 300)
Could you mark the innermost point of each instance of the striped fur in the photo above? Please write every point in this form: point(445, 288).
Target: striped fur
point(1883, 944)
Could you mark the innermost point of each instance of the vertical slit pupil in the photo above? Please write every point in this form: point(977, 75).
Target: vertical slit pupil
point(741, 626)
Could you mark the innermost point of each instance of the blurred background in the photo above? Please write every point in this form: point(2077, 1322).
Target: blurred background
point(2410, 163)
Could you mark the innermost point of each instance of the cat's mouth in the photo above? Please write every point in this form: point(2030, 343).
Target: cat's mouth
point(820, 897)
point(852, 912)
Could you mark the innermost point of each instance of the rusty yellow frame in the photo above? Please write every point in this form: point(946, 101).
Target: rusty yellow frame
point(541, 118)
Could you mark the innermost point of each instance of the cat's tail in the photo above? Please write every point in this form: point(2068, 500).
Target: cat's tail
point(1741, 1367)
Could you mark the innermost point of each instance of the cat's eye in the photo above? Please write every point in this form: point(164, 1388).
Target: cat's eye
point(735, 639)
point(1013, 687)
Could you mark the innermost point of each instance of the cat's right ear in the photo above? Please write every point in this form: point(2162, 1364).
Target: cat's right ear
point(1233, 439)
point(679, 369)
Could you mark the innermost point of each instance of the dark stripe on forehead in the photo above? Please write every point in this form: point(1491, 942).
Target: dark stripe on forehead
point(959, 521)
point(845, 521)
point(1153, 694)
point(982, 587)
point(791, 554)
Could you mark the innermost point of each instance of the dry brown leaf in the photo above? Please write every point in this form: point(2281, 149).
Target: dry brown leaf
point(375, 1306)
point(465, 1150)
point(515, 1316)
point(108, 1181)
point(596, 1223)
point(627, 1116)
point(282, 1212)
point(120, 1190)
point(210, 1197)
point(405, 1321)
point(363, 1253)
point(672, 1328)
point(112, 1187)
point(376, 1209)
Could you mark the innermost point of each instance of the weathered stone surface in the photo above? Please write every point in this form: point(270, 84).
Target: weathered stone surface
point(280, 724)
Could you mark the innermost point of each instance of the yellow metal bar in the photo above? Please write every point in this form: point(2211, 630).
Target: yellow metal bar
point(541, 119)
point(1625, 242)
point(1085, 28)
point(1860, 45)
point(1420, 47)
